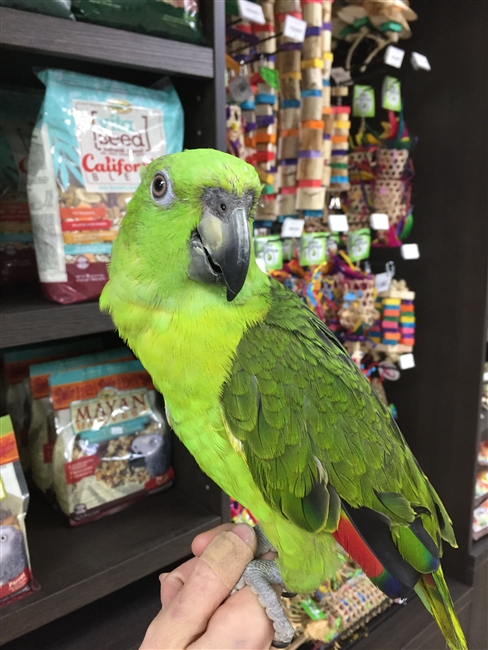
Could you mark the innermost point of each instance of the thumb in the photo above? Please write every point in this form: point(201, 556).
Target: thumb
point(214, 576)
point(228, 556)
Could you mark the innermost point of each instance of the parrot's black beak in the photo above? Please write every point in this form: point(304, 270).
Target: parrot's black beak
point(220, 247)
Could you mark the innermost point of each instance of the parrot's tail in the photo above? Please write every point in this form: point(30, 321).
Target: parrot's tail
point(433, 592)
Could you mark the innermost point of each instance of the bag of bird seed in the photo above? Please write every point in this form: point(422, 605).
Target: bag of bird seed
point(90, 141)
point(18, 113)
point(112, 444)
point(15, 364)
point(42, 433)
point(175, 19)
point(15, 570)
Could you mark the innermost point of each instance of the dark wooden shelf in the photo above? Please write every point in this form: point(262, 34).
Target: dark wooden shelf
point(36, 33)
point(115, 622)
point(76, 566)
point(27, 317)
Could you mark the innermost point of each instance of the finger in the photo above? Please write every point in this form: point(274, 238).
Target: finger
point(201, 541)
point(214, 575)
point(172, 582)
point(241, 622)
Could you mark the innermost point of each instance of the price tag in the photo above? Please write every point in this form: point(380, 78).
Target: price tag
point(292, 227)
point(340, 76)
point(394, 56)
point(379, 221)
point(419, 61)
point(410, 251)
point(294, 28)
point(240, 89)
point(382, 282)
point(261, 264)
point(363, 103)
point(406, 361)
point(251, 11)
point(338, 223)
point(391, 94)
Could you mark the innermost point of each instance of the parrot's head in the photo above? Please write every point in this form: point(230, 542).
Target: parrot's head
point(190, 221)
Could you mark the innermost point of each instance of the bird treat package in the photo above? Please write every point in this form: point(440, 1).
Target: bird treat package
point(16, 365)
point(15, 570)
point(18, 113)
point(90, 141)
point(42, 434)
point(175, 19)
point(112, 440)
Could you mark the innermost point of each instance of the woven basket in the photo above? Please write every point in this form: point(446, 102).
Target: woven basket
point(393, 198)
point(354, 600)
point(391, 163)
point(357, 203)
point(361, 165)
point(362, 311)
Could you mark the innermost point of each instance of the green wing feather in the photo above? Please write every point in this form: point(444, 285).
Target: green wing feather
point(313, 430)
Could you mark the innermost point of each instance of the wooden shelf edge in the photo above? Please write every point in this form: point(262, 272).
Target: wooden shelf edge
point(27, 317)
point(478, 556)
point(28, 31)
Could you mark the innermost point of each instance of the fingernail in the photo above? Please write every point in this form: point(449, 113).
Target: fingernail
point(245, 532)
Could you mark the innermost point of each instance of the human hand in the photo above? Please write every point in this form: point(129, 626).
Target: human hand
point(197, 611)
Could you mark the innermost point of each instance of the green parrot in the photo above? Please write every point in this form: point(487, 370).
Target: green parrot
point(265, 397)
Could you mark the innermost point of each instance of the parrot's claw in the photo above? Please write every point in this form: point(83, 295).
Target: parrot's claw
point(260, 575)
point(264, 545)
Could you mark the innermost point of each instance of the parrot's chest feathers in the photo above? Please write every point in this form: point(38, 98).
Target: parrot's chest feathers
point(187, 351)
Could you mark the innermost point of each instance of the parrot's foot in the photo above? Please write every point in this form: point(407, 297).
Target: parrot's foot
point(264, 545)
point(260, 575)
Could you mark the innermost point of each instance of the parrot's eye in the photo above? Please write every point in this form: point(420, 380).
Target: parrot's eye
point(159, 186)
point(223, 207)
point(161, 190)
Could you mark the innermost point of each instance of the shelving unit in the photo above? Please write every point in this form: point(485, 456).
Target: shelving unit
point(78, 566)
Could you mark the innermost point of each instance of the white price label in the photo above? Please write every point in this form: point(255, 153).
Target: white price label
point(240, 89)
point(379, 221)
point(340, 76)
point(410, 251)
point(485, 377)
point(394, 56)
point(251, 11)
point(261, 264)
point(382, 282)
point(292, 227)
point(294, 28)
point(338, 223)
point(419, 61)
point(406, 361)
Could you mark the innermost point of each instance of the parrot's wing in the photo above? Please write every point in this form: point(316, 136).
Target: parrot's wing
point(316, 436)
